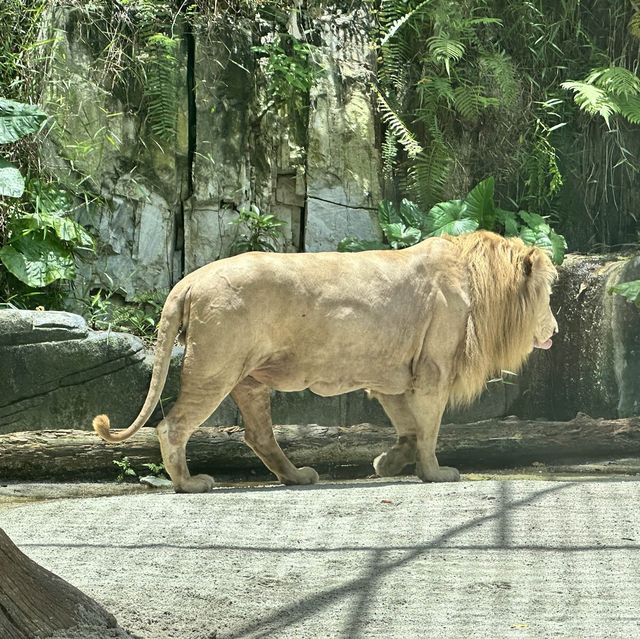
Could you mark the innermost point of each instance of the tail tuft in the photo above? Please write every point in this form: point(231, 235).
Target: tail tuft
point(101, 425)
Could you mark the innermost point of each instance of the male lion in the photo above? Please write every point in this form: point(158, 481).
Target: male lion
point(417, 328)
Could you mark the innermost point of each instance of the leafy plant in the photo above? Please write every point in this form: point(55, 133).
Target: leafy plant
point(629, 290)
point(42, 242)
point(259, 231)
point(17, 120)
point(288, 70)
point(407, 224)
point(157, 470)
point(608, 91)
point(106, 310)
point(161, 65)
point(124, 469)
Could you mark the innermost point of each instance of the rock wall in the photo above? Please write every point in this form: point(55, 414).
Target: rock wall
point(161, 209)
point(58, 374)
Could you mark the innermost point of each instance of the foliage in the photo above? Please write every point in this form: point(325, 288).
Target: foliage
point(407, 224)
point(106, 311)
point(17, 120)
point(124, 469)
point(161, 65)
point(629, 290)
point(288, 71)
point(608, 91)
point(259, 231)
point(41, 246)
point(478, 86)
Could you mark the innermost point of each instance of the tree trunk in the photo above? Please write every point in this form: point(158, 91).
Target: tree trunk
point(335, 450)
point(35, 603)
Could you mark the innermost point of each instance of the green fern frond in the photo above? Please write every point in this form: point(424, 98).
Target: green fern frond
point(389, 154)
point(592, 99)
point(469, 101)
point(398, 22)
point(498, 74)
point(445, 50)
point(405, 138)
point(160, 88)
point(429, 174)
point(630, 108)
point(615, 80)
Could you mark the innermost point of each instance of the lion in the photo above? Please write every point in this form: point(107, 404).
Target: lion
point(417, 328)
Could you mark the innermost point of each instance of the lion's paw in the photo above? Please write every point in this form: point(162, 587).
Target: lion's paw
point(304, 476)
point(195, 484)
point(441, 474)
point(389, 464)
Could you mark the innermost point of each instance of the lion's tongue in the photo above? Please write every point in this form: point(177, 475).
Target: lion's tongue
point(544, 345)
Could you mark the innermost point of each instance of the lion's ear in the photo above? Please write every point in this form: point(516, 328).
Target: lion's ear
point(527, 263)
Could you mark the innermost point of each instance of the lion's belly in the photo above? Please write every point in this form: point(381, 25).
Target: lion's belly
point(335, 382)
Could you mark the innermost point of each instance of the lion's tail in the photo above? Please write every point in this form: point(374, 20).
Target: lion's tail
point(168, 329)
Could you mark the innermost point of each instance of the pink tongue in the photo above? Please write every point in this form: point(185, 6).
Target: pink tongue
point(545, 345)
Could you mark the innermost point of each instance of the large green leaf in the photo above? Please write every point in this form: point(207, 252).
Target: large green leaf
point(64, 228)
point(480, 204)
point(400, 236)
point(451, 218)
point(387, 213)
point(11, 180)
point(629, 290)
point(18, 119)
point(508, 221)
point(37, 261)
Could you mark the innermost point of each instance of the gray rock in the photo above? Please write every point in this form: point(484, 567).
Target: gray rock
point(58, 374)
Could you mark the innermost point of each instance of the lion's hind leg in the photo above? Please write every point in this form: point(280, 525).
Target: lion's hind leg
point(193, 406)
point(254, 401)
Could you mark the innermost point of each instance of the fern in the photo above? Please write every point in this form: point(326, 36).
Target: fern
point(469, 101)
point(608, 91)
point(160, 88)
point(445, 50)
point(405, 138)
point(398, 22)
point(389, 154)
point(634, 25)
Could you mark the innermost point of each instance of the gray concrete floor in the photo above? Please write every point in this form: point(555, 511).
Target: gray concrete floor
point(358, 559)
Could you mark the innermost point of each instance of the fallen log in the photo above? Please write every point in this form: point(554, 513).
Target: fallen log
point(490, 444)
point(36, 603)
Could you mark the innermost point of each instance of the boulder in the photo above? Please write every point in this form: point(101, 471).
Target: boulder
point(57, 373)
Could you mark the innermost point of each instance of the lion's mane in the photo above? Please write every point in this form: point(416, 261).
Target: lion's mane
point(508, 284)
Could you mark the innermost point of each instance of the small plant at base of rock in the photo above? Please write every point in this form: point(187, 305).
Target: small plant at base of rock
point(157, 470)
point(407, 225)
point(107, 310)
point(125, 469)
point(261, 231)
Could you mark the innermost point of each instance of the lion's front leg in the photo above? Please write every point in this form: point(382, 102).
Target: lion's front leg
point(428, 410)
point(416, 417)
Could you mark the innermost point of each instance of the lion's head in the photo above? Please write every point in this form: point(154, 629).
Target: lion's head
point(510, 288)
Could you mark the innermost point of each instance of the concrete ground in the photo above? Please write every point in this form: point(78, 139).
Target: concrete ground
point(356, 559)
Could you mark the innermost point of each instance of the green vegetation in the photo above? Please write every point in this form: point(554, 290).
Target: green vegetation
point(407, 224)
point(107, 311)
point(629, 290)
point(258, 231)
point(39, 241)
point(127, 471)
point(473, 88)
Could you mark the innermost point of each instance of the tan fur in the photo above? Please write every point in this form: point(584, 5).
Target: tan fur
point(418, 328)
